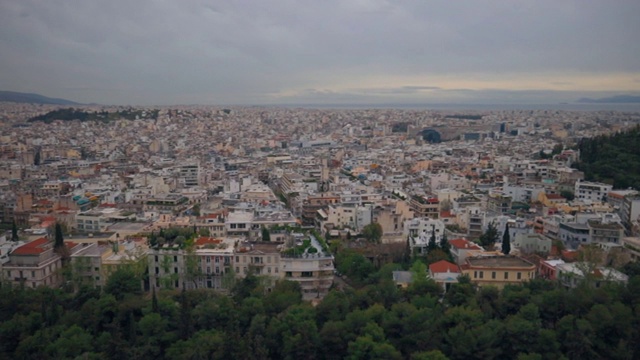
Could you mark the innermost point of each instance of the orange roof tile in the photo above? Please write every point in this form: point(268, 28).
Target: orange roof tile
point(33, 248)
point(443, 266)
point(464, 244)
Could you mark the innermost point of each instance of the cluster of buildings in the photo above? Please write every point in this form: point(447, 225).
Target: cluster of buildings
point(229, 173)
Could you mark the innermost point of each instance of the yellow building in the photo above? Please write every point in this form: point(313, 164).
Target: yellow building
point(498, 271)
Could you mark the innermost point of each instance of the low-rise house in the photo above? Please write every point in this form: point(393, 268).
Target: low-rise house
point(532, 243)
point(402, 279)
point(548, 269)
point(572, 274)
point(444, 273)
point(461, 249)
point(498, 271)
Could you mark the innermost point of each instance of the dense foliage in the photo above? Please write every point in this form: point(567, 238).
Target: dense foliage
point(377, 321)
point(613, 159)
point(70, 114)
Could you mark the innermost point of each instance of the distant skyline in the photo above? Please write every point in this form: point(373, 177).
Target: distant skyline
point(325, 52)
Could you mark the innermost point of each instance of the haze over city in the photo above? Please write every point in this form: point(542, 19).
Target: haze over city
point(330, 52)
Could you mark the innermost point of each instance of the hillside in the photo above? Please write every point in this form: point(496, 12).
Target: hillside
point(71, 114)
point(18, 97)
point(613, 159)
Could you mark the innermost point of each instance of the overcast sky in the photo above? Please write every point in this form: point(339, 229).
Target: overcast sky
point(329, 51)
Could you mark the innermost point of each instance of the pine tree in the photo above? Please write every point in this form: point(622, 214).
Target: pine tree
point(444, 243)
point(489, 238)
point(266, 235)
point(185, 315)
point(154, 300)
point(59, 239)
point(432, 245)
point(36, 158)
point(14, 231)
point(506, 241)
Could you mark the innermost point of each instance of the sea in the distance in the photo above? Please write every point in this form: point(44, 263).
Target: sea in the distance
point(623, 107)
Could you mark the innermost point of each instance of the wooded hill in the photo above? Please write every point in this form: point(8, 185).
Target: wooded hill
point(613, 159)
point(71, 114)
point(537, 320)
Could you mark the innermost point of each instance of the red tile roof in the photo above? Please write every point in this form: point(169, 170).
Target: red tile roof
point(443, 266)
point(35, 247)
point(207, 240)
point(446, 214)
point(464, 244)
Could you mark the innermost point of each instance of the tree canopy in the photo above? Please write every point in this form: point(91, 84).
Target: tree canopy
point(370, 317)
point(613, 159)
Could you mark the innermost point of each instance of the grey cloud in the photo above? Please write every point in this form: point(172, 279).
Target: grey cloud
point(244, 52)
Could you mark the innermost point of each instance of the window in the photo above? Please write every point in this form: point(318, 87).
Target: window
point(157, 270)
point(237, 270)
point(217, 259)
point(208, 270)
point(33, 274)
point(237, 259)
point(307, 274)
point(475, 274)
point(493, 274)
point(481, 274)
point(175, 259)
point(208, 259)
point(175, 270)
point(506, 275)
point(276, 270)
point(156, 258)
point(519, 276)
point(288, 274)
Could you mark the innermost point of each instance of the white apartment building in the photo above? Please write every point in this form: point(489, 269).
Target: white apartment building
point(592, 191)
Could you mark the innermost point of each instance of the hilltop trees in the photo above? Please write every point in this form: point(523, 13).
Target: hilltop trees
point(535, 320)
point(613, 159)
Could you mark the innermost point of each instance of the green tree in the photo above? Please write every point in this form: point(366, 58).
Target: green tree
point(36, 158)
point(506, 240)
point(154, 300)
point(266, 235)
point(567, 194)
point(432, 244)
point(14, 231)
point(444, 243)
point(122, 282)
point(59, 239)
point(196, 209)
point(489, 237)
point(372, 232)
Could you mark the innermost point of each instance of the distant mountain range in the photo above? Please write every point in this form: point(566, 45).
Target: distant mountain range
point(18, 97)
point(620, 99)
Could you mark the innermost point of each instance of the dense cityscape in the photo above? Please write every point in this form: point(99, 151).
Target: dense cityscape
point(202, 198)
point(338, 179)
